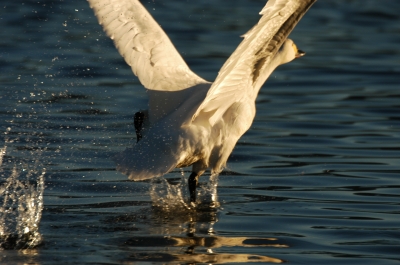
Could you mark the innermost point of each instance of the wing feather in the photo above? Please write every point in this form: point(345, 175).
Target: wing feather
point(238, 78)
point(144, 45)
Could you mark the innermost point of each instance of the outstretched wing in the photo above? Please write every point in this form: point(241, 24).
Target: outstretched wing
point(144, 45)
point(239, 76)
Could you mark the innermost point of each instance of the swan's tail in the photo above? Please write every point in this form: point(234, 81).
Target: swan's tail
point(151, 157)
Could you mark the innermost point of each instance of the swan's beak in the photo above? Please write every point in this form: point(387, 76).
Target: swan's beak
point(299, 54)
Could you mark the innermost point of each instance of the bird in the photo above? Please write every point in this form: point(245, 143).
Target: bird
point(191, 121)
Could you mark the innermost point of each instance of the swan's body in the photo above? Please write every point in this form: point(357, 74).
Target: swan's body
point(191, 121)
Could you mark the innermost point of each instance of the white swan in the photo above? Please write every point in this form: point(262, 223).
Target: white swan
point(191, 121)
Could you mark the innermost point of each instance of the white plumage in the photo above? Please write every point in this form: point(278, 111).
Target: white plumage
point(191, 121)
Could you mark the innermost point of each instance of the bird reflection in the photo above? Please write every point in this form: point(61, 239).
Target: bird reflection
point(225, 258)
point(211, 243)
point(189, 237)
point(207, 249)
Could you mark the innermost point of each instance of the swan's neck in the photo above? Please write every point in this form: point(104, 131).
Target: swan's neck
point(275, 62)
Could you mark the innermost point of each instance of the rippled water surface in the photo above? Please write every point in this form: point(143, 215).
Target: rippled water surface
point(314, 181)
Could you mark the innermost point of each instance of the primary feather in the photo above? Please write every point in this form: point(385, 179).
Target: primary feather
point(144, 45)
point(241, 76)
point(147, 50)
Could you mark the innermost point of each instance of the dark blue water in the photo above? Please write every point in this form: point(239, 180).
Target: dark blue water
point(314, 181)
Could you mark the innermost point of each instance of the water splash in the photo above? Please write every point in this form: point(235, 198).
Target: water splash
point(173, 194)
point(208, 194)
point(166, 194)
point(21, 205)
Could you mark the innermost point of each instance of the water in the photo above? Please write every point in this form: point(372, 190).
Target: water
point(314, 181)
point(21, 205)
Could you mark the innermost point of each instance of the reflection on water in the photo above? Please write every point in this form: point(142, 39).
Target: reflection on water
point(187, 235)
point(211, 258)
point(318, 170)
point(21, 195)
point(212, 243)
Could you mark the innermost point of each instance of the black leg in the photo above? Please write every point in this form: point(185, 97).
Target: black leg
point(138, 122)
point(192, 186)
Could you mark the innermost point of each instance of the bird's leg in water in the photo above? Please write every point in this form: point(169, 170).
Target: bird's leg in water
point(138, 122)
point(193, 178)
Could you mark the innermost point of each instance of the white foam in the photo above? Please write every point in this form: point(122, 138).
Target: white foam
point(21, 197)
point(174, 195)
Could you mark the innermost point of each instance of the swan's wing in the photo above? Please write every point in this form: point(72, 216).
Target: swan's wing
point(240, 72)
point(144, 45)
